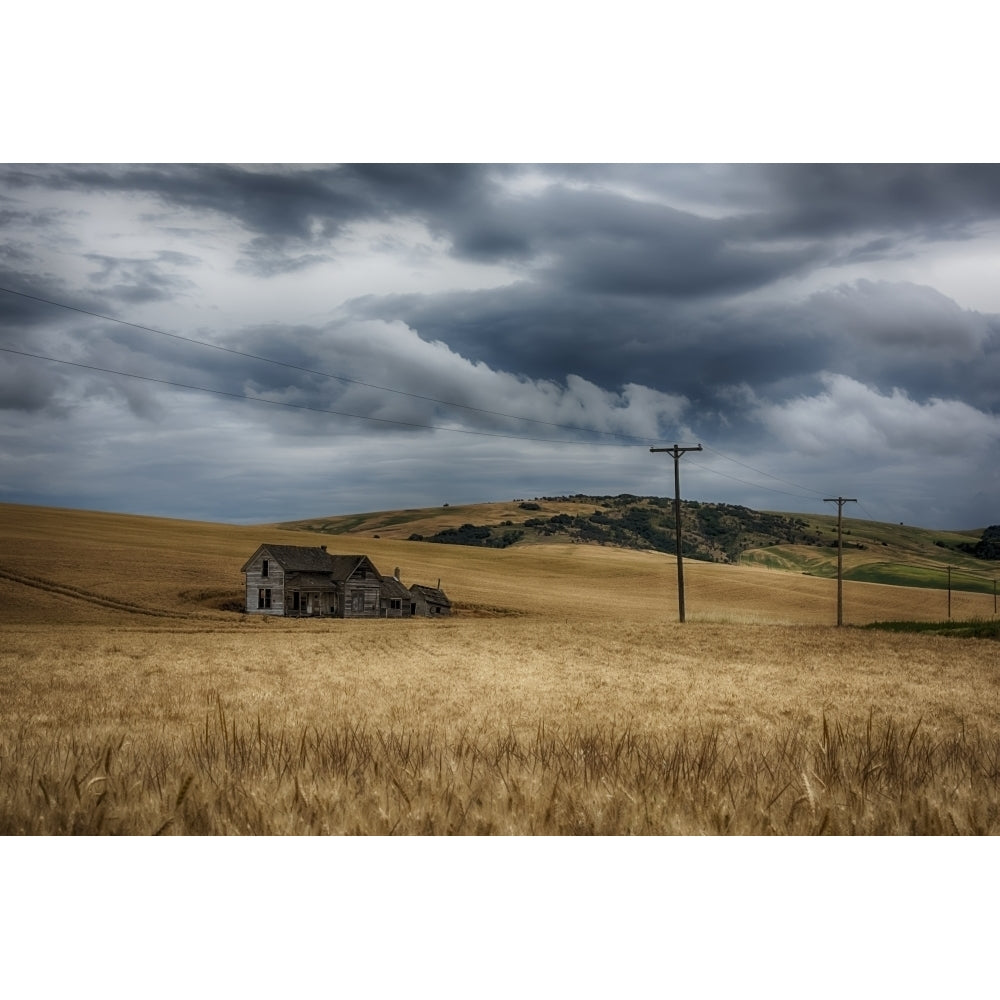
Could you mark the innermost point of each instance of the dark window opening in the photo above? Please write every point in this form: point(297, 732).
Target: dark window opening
point(295, 600)
point(264, 598)
point(396, 603)
point(263, 571)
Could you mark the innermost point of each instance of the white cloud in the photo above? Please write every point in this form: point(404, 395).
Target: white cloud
point(422, 372)
point(851, 415)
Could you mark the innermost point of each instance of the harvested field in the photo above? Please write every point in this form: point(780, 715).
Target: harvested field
point(562, 698)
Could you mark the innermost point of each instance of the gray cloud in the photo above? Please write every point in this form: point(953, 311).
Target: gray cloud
point(773, 311)
point(132, 281)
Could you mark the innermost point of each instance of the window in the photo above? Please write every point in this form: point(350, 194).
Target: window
point(358, 601)
point(396, 603)
point(263, 570)
point(295, 601)
point(264, 598)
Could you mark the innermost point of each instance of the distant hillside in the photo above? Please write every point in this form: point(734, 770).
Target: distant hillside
point(874, 552)
point(712, 532)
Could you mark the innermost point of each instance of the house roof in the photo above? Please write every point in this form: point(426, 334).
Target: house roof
point(432, 594)
point(341, 567)
point(311, 559)
point(296, 557)
point(391, 587)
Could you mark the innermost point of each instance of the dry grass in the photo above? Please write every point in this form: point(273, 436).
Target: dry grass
point(501, 726)
point(562, 699)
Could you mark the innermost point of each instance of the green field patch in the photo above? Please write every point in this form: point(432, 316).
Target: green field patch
point(902, 575)
point(976, 628)
point(792, 559)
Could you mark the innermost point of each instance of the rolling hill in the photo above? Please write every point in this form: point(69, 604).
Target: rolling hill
point(874, 552)
point(71, 566)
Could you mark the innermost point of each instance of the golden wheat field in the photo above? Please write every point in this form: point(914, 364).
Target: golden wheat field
point(562, 697)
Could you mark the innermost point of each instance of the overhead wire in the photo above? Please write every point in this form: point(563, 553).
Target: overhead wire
point(294, 406)
point(313, 371)
point(617, 436)
point(359, 416)
point(761, 472)
point(746, 482)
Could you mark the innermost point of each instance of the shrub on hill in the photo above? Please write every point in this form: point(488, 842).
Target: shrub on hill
point(988, 546)
point(471, 534)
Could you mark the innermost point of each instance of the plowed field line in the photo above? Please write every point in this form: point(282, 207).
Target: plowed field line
point(79, 594)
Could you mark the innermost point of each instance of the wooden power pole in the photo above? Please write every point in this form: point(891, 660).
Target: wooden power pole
point(677, 451)
point(840, 501)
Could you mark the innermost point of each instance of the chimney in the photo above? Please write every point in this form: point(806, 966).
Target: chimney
point(439, 583)
point(323, 547)
point(396, 574)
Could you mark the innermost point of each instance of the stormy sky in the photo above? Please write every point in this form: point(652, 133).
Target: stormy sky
point(259, 343)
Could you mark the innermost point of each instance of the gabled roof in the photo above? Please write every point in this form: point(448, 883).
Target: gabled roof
point(293, 558)
point(432, 594)
point(391, 587)
point(311, 559)
point(341, 567)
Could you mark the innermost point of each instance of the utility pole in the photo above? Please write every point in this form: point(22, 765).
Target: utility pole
point(677, 451)
point(840, 501)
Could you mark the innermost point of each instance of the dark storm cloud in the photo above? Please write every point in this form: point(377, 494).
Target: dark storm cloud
point(887, 334)
point(822, 200)
point(291, 213)
point(468, 206)
point(135, 280)
point(26, 386)
point(601, 243)
point(304, 203)
point(901, 334)
point(612, 340)
point(596, 240)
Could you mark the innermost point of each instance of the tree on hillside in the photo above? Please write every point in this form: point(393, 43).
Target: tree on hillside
point(988, 546)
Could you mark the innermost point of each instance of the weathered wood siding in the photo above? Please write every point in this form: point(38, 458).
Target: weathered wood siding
point(361, 592)
point(273, 582)
point(388, 611)
point(317, 595)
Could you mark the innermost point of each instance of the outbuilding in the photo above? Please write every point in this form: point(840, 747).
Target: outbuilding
point(431, 601)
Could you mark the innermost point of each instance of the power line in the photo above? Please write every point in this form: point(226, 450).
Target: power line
point(359, 416)
point(870, 515)
point(752, 468)
point(294, 406)
point(322, 374)
point(746, 482)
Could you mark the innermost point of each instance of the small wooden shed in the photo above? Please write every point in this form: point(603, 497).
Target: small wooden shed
point(431, 601)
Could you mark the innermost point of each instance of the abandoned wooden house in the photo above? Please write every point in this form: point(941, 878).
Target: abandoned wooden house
point(300, 581)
